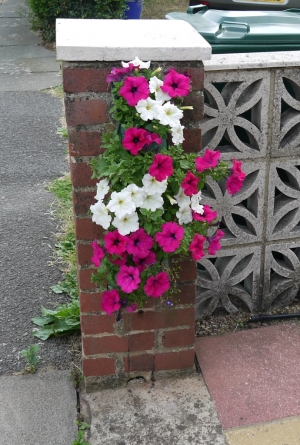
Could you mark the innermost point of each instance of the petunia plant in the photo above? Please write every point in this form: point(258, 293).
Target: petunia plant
point(149, 199)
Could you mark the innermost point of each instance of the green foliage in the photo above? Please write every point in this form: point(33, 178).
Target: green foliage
point(65, 318)
point(63, 132)
point(80, 439)
point(43, 13)
point(31, 356)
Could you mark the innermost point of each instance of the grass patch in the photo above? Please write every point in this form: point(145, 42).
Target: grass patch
point(65, 318)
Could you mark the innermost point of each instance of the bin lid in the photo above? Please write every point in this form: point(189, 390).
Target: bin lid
point(274, 30)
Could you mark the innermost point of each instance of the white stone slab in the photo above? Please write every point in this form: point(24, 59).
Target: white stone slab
point(109, 40)
point(220, 62)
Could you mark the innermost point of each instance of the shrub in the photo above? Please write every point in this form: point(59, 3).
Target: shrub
point(43, 13)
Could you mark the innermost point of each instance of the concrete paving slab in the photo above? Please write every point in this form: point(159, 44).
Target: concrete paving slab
point(27, 65)
point(9, 11)
point(37, 409)
point(253, 375)
point(282, 432)
point(16, 31)
point(167, 412)
point(29, 82)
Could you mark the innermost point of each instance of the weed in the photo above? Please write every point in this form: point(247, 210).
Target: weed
point(31, 356)
point(80, 439)
point(62, 132)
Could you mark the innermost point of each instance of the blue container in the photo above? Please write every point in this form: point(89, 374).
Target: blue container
point(135, 9)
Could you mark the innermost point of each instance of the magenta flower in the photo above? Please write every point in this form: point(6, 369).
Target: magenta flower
point(128, 278)
point(209, 160)
point(134, 90)
point(214, 242)
point(131, 308)
point(135, 138)
point(154, 137)
point(139, 243)
point(115, 243)
point(175, 84)
point(143, 263)
point(190, 184)
point(120, 260)
point(237, 169)
point(196, 247)
point(118, 74)
point(170, 236)
point(98, 254)
point(235, 182)
point(156, 285)
point(208, 214)
point(162, 167)
point(110, 301)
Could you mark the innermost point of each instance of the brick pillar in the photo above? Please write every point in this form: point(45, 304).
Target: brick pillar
point(157, 341)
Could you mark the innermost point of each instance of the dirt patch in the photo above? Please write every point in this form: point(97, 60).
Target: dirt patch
point(157, 9)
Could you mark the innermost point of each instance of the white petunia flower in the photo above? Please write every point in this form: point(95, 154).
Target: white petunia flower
point(137, 62)
point(155, 87)
point(172, 200)
point(137, 194)
point(121, 203)
point(169, 114)
point(100, 215)
point(148, 108)
point(102, 189)
point(181, 198)
point(184, 214)
point(127, 224)
point(153, 202)
point(195, 203)
point(152, 186)
point(177, 134)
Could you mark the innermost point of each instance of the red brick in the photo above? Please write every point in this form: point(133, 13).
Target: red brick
point(196, 100)
point(90, 302)
point(86, 229)
point(196, 75)
point(84, 254)
point(192, 140)
point(98, 366)
point(97, 324)
point(143, 362)
point(76, 80)
point(171, 318)
point(85, 143)
point(93, 111)
point(187, 270)
point(186, 294)
point(174, 360)
point(139, 321)
point(85, 279)
point(179, 338)
point(104, 345)
point(82, 201)
point(141, 342)
point(81, 174)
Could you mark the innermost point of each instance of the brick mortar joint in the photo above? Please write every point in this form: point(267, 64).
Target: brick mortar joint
point(79, 97)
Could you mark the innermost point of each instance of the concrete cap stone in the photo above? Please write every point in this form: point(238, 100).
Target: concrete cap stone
point(108, 40)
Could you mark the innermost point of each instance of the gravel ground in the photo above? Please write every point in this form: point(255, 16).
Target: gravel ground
point(220, 322)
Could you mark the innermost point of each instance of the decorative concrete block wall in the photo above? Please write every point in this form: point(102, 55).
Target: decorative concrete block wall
point(252, 113)
point(157, 341)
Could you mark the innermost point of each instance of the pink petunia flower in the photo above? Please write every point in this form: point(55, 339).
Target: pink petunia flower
point(170, 236)
point(209, 160)
point(235, 182)
point(176, 84)
point(98, 254)
point(131, 307)
point(139, 243)
point(110, 301)
point(196, 247)
point(118, 74)
point(128, 278)
point(190, 184)
point(115, 243)
point(120, 260)
point(162, 167)
point(135, 139)
point(214, 242)
point(143, 263)
point(135, 89)
point(156, 285)
point(208, 214)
